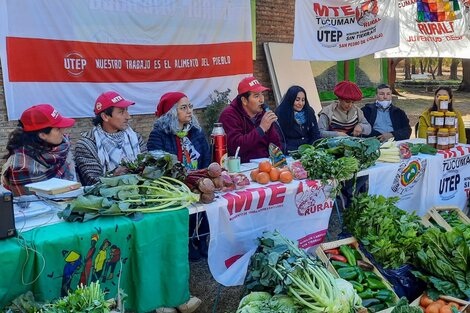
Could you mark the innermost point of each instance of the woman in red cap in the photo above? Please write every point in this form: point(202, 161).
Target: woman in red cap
point(177, 131)
point(38, 149)
point(344, 118)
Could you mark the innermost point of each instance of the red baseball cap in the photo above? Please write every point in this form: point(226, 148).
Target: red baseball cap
point(43, 116)
point(167, 101)
point(110, 99)
point(250, 84)
point(347, 90)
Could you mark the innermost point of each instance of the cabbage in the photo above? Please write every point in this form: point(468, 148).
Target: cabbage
point(262, 302)
point(257, 296)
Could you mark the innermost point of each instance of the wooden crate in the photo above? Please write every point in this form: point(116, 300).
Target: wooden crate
point(435, 212)
point(347, 241)
point(465, 304)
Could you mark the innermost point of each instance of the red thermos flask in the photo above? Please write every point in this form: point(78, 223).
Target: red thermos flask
point(218, 144)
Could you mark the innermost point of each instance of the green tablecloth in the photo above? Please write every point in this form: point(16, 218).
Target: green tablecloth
point(153, 253)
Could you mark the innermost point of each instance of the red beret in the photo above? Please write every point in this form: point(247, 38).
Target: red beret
point(167, 101)
point(347, 90)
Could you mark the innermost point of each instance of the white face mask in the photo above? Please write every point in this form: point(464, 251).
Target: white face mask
point(384, 104)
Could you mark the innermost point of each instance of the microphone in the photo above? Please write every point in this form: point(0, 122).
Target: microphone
point(266, 108)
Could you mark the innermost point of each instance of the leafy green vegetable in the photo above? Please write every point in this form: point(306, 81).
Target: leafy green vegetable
point(391, 235)
point(156, 164)
point(279, 266)
point(128, 194)
point(402, 306)
point(444, 261)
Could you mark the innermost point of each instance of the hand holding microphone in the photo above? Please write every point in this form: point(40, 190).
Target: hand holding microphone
point(268, 118)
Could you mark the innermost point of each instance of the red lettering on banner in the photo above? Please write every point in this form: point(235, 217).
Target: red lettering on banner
point(75, 61)
point(278, 194)
point(239, 201)
point(430, 28)
point(324, 10)
point(242, 200)
point(262, 195)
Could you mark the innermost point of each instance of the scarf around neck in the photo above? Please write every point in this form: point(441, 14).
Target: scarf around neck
point(27, 166)
point(112, 148)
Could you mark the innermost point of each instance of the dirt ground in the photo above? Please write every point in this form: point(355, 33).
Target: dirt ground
point(220, 299)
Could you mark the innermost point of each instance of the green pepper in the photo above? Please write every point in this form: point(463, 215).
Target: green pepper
point(371, 275)
point(376, 307)
point(384, 295)
point(357, 286)
point(357, 254)
point(348, 273)
point(348, 252)
point(375, 284)
point(360, 274)
point(427, 149)
point(367, 294)
point(339, 264)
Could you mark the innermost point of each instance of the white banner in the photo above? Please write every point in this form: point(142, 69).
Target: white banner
point(432, 29)
point(425, 181)
point(299, 210)
point(406, 180)
point(68, 52)
point(336, 30)
point(450, 185)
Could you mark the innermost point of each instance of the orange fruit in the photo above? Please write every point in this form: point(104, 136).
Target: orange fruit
point(274, 174)
point(265, 166)
point(262, 178)
point(253, 174)
point(286, 177)
point(454, 304)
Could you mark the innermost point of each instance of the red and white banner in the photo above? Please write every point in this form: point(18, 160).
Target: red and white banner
point(432, 29)
point(68, 52)
point(336, 30)
point(299, 210)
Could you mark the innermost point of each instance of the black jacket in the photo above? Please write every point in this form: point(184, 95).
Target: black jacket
point(400, 122)
point(293, 134)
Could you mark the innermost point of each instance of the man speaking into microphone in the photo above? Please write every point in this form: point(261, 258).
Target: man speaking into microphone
point(248, 122)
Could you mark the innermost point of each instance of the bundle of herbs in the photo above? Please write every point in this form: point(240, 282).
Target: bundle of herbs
point(444, 263)
point(390, 234)
point(365, 150)
point(156, 164)
point(128, 194)
point(280, 267)
point(337, 158)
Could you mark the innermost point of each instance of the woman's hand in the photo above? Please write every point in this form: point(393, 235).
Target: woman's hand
point(267, 120)
point(357, 131)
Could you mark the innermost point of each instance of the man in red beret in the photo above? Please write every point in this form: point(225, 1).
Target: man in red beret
point(344, 118)
point(111, 140)
point(247, 124)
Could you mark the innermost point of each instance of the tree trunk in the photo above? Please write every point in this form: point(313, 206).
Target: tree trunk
point(421, 66)
point(392, 73)
point(439, 66)
point(465, 84)
point(453, 69)
point(413, 68)
point(407, 69)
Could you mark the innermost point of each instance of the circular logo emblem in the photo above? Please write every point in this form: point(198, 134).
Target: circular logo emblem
point(410, 173)
point(74, 63)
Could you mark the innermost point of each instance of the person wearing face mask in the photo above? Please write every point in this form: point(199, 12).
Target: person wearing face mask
point(38, 149)
point(425, 118)
point(344, 118)
point(387, 120)
point(297, 119)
